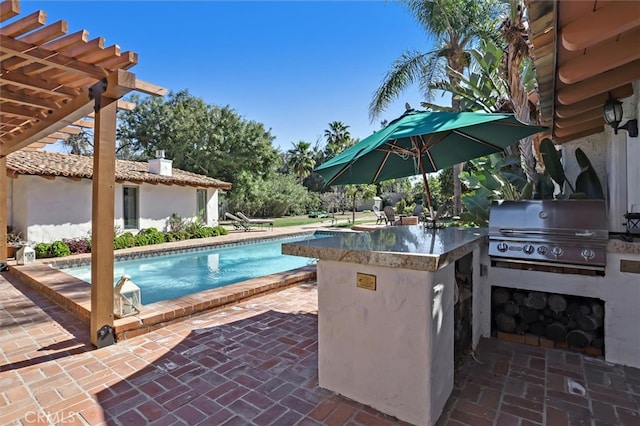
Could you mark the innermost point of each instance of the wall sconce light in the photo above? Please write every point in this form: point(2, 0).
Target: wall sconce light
point(612, 111)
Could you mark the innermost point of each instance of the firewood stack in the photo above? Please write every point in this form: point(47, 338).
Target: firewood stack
point(566, 320)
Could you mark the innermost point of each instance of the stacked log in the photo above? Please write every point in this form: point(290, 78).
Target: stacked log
point(577, 322)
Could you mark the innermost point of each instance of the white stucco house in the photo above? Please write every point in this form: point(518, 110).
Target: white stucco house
point(49, 195)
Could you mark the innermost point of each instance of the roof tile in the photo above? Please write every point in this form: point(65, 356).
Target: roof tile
point(43, 163)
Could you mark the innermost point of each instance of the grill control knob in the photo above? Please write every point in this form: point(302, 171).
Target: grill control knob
point(588, 254)
point(557, 252)
point(528, 249)
point(542, 250)
point(502, 247)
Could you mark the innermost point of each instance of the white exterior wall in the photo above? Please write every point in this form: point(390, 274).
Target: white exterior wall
point(632, 110)
point(616, 159)
point(48, 210)
point(595, 147)
point(391, 348)
point(212, 207)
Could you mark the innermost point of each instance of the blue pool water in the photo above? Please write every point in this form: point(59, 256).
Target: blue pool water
point(169, 276)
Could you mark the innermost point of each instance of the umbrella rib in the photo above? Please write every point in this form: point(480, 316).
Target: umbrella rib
point(382, 163)
point(344, 169)
point(395, 149)
point(426, 147)
point(480, 141)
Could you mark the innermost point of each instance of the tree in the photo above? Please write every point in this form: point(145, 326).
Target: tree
point(301, 160)
point(362, 191)
point(338, 139)
point(275, 196)
point(79, 144)
point(456, 25)
point(206, 139)
point(515, 59)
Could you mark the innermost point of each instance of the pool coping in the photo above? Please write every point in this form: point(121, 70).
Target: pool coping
point(74, 295)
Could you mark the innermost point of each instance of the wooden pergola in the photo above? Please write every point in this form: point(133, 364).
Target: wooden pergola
point(584, 52)
point(53, 84)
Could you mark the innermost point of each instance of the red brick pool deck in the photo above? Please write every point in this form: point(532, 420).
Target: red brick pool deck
point(255, 363)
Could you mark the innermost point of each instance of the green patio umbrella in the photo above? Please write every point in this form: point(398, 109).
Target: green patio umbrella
point(421, 142)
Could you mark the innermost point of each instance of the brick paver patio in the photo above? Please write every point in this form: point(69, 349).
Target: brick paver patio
point(256, 363)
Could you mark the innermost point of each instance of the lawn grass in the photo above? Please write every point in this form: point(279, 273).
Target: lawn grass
point(281, 222)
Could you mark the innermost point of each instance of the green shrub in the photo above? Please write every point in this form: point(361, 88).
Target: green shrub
point(59, 249)
point(219, 230)
point(207, 232)
point(194, 229)
point(142, 240)
point(124, 241)
point(55, 249)
point(176, 224)
point(42, 250)
point(170, 237)
point(152, 236)
point(200, 231)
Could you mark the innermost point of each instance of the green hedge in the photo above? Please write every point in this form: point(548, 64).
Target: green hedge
point(54, 249)
point(145, 237)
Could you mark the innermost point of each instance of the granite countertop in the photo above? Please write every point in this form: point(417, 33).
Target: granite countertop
point(407, 247)
point(618, 245)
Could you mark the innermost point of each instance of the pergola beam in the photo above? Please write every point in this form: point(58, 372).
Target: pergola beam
point(119, 81)
point(38, 54)
point(74, 110)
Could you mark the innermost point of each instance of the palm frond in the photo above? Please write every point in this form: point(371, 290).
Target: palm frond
point(406, 70)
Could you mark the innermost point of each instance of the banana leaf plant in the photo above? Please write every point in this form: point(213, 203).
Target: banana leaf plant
point(496, 177)
point(587, 184)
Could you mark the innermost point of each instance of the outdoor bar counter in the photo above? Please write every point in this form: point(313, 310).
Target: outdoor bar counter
point(385, 315)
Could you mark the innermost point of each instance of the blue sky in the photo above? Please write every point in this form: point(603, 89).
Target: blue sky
point(293, 66)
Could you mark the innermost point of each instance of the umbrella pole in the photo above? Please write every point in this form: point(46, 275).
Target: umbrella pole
point(427, 190)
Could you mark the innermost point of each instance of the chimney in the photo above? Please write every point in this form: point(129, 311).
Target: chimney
point(160, 165)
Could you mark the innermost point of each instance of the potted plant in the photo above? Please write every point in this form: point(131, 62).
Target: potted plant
point(14, 241)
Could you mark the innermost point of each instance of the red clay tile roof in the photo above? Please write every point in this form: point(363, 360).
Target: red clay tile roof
point(42, 163)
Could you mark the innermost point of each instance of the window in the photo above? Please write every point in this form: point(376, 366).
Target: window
point(130, 207)
point(201, 204)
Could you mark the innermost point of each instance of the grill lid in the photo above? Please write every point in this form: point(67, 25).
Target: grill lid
point(570, 233)
point(550, 218)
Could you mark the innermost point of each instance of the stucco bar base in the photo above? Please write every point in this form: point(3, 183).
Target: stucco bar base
point(391, 347)
point(382, 347)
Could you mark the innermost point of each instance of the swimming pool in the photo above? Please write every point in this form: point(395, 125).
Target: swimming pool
point(170, 276)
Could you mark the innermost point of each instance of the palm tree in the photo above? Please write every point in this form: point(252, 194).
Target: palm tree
point(515, 32)
point(338, 138)
point(456, 25)
point(301, 159)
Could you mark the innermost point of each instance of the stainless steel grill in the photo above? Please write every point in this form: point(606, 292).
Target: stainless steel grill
point(569, 234)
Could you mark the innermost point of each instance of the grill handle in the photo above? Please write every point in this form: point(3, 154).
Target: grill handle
point(584, 234)
point(532, 232)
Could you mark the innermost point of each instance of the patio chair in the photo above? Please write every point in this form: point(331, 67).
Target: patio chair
point(255, 221)
point(238, 224)
point(380, 217)
point(390, 215)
